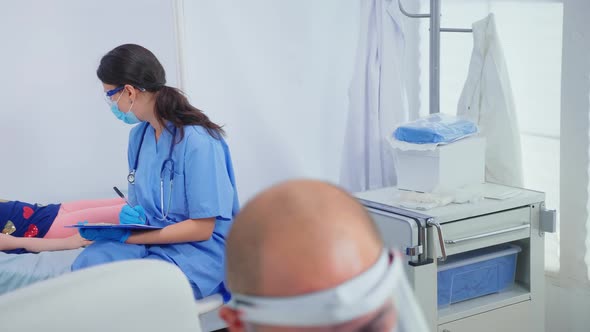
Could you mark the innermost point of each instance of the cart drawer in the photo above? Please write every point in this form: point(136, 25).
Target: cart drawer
point(513, 318)
point(484, 231)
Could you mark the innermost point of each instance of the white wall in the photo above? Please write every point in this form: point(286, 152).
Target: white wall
point(293, 57)
point(568, 293)
point(276, 74)
point(59, 140)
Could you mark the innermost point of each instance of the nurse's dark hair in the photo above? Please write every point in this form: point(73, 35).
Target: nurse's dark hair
point(135, 65)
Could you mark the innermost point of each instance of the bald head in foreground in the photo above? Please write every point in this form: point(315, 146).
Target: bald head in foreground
point(296, 245)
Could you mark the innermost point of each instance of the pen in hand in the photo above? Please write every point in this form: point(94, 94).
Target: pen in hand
point(125, 199)
point(122, 196)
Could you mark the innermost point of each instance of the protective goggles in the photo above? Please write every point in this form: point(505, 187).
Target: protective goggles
point(108, 97)
point(109, 94)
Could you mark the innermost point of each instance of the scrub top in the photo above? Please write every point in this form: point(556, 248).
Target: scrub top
point(203, 186)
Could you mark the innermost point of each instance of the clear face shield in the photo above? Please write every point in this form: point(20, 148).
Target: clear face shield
point(353, 299)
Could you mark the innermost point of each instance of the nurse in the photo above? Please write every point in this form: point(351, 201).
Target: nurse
point(181, 176)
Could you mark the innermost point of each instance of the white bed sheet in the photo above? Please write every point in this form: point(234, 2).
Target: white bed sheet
point(19, 270)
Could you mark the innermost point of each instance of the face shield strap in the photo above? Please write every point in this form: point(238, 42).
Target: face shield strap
point(350, 300)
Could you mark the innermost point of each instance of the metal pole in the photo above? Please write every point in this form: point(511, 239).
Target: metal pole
point(403, 10)
point(455, 30)
point(434, 56)
point(434, 60)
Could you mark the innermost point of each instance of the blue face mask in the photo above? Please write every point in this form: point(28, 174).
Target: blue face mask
point(128, 118)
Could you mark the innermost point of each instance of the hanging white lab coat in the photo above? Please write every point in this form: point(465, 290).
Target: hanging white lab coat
point(487, 100)
point(377, 98)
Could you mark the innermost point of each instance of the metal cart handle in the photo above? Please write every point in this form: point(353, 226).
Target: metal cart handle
point(441, 240)
point(479, 236)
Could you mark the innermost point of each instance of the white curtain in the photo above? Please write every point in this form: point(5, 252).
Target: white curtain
point(276, 74)
point(378, 99)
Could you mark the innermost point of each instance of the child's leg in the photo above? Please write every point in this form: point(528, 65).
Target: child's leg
point(95, 203)
point(92, 215)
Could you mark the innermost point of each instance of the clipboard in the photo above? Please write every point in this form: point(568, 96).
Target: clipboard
point(105, 225)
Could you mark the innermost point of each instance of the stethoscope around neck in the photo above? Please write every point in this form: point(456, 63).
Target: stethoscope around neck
point(131, 175)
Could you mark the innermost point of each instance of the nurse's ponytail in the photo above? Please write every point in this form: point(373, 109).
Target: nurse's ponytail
point(172, 105)
point(135, 65)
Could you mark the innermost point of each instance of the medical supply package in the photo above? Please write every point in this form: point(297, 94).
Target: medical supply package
point(435, 129)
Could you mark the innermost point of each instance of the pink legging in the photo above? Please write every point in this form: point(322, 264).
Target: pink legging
point(95, 211)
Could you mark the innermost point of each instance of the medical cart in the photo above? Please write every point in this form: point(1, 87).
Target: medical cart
point(430, 237)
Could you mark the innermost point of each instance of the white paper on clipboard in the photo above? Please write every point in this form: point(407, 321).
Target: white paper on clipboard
point(117, 226)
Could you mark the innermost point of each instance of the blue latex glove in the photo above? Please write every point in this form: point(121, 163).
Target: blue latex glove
point(109, 234)
point(132, 215)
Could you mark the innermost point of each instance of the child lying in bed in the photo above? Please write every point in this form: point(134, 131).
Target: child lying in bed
point(34, 227)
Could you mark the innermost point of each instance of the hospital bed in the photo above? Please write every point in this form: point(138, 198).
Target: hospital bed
point(44, 283)
point(140, 295)
point(18, 271)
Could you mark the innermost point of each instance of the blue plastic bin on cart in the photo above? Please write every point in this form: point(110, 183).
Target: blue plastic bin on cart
point(476, 273)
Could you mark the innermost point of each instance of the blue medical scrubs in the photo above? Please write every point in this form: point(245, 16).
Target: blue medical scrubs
point(203, 187)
